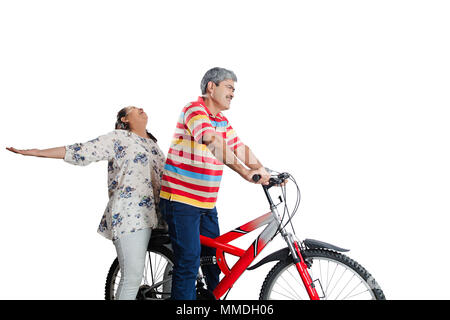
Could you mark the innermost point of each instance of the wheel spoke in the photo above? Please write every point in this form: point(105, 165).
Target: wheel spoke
point(296, 280)
point(357, 294)
point(292, 290)
point(329, 282)
point(158, 265)
point(345, 270)
point(345, 286)
point(357, 285)
point(290, 298)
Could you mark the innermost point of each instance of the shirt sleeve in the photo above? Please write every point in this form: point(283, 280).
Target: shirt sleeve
point(102, 148)
point(198, 123)
point(232, 139)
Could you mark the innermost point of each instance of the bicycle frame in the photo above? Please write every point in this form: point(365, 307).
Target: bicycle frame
point(246, 257)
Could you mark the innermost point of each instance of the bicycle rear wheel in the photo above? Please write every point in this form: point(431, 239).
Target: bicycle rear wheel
point(157, 278)
point(335, 276)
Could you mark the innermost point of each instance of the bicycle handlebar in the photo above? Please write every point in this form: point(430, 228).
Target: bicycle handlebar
point(256, 177)
point(274, 180)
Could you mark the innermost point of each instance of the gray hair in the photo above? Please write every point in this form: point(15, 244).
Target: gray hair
point(216, 75)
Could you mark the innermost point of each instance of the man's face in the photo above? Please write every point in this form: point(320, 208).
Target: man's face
point(223, 93)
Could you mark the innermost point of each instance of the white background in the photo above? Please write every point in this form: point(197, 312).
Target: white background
point(351, 97)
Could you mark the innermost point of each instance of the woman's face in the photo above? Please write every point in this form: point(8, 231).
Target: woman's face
point(136, 117)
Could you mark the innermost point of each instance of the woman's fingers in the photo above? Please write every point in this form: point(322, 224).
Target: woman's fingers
point(26, 152)
point(15, 150)
point(12, 149)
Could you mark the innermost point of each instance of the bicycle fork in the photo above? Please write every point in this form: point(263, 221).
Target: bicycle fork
point(299, 262)
point(301, 266)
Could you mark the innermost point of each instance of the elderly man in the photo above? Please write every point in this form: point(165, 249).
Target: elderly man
point(204, 140)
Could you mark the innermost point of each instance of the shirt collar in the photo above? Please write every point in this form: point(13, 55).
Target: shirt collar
point(202, 103)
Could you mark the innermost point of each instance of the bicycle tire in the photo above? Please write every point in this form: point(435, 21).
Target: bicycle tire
point(156, 250)
point(318, 261)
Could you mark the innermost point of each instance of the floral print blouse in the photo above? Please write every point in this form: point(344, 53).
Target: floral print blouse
point(135, 169)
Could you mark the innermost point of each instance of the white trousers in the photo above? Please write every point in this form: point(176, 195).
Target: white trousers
point(131, 251)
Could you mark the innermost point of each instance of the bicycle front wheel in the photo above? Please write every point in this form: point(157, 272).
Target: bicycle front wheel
point(335, 276)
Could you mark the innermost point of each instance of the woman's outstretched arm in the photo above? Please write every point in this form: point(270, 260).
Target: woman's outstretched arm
point(56, 153)
point(101, 148)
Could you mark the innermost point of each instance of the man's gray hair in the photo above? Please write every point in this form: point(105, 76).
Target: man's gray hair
point(216, 75)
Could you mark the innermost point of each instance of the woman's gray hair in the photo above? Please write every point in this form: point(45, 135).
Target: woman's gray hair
point(216, 75)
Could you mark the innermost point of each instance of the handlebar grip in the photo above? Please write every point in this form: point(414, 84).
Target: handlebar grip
point(256, 177)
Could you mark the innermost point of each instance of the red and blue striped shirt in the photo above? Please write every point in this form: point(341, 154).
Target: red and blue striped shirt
point(192, 174)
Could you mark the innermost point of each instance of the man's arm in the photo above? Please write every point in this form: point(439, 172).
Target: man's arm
point(245, 154)
point(199, 124)
point(219, 148)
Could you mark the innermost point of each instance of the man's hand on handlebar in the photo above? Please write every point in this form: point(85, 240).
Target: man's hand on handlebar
point(283, 183)
point(278, 180)
point(263, 175)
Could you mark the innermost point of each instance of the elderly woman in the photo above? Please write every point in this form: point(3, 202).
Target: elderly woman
point(135, 167)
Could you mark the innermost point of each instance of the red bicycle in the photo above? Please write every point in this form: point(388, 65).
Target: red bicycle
point(308, 269)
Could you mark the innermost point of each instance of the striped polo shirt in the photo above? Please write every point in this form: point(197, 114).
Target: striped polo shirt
point(192, 173)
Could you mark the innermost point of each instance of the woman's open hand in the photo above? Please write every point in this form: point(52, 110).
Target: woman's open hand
point(25, 152)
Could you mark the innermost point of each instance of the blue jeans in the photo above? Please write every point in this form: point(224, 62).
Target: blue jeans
point(186, 224)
